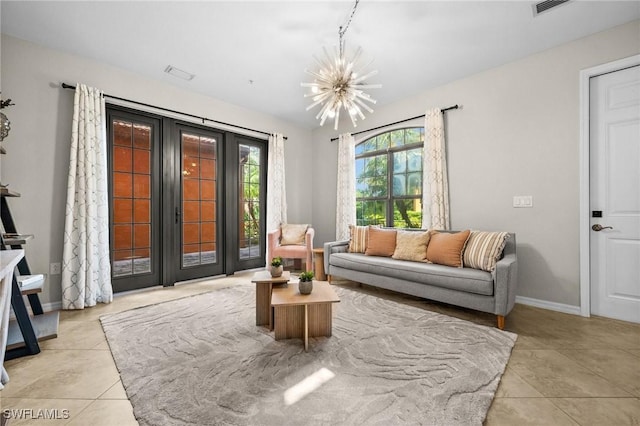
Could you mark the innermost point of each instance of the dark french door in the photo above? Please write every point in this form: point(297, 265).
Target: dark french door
point(187, 201)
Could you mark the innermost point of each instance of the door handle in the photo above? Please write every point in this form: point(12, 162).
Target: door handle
point(177, 215)
point(597, 227)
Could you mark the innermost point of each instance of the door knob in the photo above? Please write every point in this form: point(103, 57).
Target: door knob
point(597, 227)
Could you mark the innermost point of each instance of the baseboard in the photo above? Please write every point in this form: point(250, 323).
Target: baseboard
point(46, 307)
point(552, 306)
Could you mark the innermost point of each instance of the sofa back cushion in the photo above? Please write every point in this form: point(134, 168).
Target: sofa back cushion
point(382, 242)
point(446, 249)
point(484, 249)
point(292, 234)
point(412, 245)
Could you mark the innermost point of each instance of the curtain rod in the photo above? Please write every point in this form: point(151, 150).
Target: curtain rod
point(69, 86)
point(398, 122)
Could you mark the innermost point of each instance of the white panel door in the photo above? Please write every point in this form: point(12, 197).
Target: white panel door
point(615, 192)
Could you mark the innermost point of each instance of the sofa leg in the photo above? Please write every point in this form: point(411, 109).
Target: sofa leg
point(329, 278)
point(500, 322)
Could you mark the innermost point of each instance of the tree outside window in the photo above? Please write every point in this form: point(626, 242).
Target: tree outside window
point(389, 179)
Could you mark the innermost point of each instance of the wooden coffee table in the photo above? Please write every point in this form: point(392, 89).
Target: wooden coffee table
point(264, 284)
point(299, 315)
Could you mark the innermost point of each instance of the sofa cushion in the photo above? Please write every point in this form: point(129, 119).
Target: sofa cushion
point(461, 279)
point(381, 242)
point(411, 245)
point(446, 249)
point(358, 236)
point(484, 249)
point(292, 234)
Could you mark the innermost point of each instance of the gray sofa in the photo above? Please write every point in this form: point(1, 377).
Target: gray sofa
point(492, 292)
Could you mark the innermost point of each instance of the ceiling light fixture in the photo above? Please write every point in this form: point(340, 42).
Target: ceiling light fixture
point(337, 84)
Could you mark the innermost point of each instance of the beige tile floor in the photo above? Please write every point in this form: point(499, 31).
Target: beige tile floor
point(564, 369)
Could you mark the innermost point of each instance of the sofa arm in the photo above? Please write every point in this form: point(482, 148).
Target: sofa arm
point(333, 247)
point(505, 277)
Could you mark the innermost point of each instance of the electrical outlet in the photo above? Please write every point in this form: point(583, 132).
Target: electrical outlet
point(55, 268)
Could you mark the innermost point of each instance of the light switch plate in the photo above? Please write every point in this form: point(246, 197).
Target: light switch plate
point(523, 201)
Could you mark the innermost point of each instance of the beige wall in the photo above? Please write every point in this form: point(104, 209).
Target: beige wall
point(38, 145)
point(516, 134)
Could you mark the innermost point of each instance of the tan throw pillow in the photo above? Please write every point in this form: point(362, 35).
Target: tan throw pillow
point(292, 234)
point(358, 238)
point(412, 245)
point(446, 249)
point(484, 249)
point(382, 242)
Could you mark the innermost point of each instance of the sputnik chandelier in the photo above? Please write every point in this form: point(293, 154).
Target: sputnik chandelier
point(338, 84)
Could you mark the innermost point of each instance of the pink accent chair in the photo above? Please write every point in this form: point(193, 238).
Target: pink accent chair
point(297, 251)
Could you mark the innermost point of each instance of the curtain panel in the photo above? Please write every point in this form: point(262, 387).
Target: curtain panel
point(346, 190)
point(435, 185)
point(86, 269)
point(276, 190)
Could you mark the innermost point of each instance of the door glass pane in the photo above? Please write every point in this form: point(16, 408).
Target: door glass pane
point(199, 182)
point(131, 177)
point(250, 185)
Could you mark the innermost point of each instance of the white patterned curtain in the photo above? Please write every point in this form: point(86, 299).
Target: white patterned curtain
point(276, 190)
point(86, 270)
point(346, 199)
point(435, 186)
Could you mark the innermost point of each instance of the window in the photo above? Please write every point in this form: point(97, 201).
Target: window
point(389, 179)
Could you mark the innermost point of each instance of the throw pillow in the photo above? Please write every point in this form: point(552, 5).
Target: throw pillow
point(382, 242)
point(412, 245)
point(446, 249)
point(292, 234)
point(484, 249)
point(358, 238)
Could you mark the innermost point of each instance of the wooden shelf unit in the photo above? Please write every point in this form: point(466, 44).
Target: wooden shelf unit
point(26, 330)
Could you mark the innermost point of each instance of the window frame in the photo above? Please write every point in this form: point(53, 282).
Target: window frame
point(390, 198)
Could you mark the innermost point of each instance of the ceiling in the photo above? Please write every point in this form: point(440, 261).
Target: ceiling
point(254, 54)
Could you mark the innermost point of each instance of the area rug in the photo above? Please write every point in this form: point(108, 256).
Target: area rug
point(201, 360)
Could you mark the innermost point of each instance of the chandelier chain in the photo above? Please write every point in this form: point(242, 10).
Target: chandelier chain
point(343, 28)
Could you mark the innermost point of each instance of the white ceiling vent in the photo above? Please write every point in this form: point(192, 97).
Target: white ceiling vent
point(179, 73)
point(546, 5)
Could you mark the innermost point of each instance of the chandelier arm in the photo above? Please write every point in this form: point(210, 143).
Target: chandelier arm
point(336, 119)
point(363, 105)
point(367, 86)
point(364, 77)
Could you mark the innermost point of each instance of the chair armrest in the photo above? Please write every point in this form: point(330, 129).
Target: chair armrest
point(333, 247)
point(308, 238)
point(273, 241)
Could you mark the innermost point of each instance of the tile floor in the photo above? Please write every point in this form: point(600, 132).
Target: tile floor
point(564, 369)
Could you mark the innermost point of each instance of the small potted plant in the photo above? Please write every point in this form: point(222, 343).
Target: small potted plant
point(305, 285)
point(276, 267)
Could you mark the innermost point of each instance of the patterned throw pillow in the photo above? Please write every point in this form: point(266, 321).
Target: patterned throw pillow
point(381, 242)
point(358, 236)
point(412, 245)
point(484, 249)
point(446, 249)
point(293, 234)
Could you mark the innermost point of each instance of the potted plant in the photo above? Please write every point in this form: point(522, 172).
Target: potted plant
point(276, 267)
point(305, 285)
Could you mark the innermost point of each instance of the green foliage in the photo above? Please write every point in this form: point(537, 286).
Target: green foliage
point(276, 261)
point(306, 276)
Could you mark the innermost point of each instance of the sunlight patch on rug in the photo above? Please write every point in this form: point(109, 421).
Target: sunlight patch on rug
point(202, 360)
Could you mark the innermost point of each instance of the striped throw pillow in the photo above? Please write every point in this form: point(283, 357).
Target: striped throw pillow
point(484, 249)
point(359, 235)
